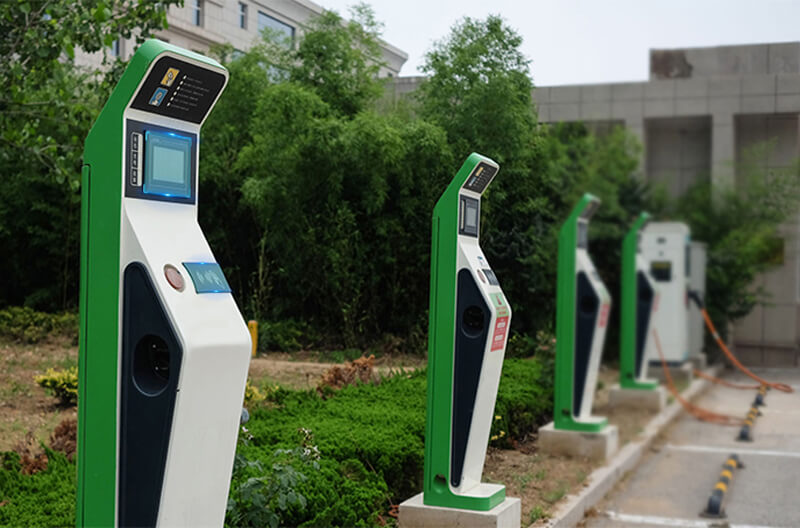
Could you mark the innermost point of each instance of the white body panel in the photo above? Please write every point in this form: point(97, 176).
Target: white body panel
point(216, 349)
point(584, 264)
point(471, 257)
point(216, 356)
point(666, 242)
point(697, 282)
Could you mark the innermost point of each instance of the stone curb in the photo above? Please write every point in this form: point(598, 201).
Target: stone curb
point(602, 480)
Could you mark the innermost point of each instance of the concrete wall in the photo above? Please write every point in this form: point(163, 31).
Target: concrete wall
point(221, 25)
point(700, 112)
point(678, 152)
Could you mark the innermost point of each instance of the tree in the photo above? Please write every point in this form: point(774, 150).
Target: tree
point(46, 109)
point(340, 60)
point(479, 91)
point(740, 226)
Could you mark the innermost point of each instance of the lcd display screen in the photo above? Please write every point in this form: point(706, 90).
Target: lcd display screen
point(661, 270)
point(168, 164)
point(471, 220)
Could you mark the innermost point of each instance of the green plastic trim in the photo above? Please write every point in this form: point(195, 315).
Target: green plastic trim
point(441, 343)
point(629, 297)
point(565, 322)
point(101, 196)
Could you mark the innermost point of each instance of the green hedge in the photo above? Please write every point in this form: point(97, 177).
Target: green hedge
point(45, 499)
point(370, 438)
point(24, 324)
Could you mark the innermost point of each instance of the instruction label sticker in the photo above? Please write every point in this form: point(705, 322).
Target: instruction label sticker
point(501, 324)
point(602, 320)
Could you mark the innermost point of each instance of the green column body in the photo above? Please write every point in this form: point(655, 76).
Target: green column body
point(566, 311)
point(101, 199)
point(628, 308)
point(441, 346)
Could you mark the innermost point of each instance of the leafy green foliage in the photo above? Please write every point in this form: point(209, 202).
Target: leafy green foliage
point(340, 60)
point(371, 438)
point(366, 452)
point(44, 499)
point(46, 109)
point(259, 496)
point(524, 401)
point(26, 325)
point(61, 383)
point(740, 225)
point(479, 92)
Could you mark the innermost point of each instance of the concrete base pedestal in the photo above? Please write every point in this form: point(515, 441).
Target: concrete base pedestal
point(647, 399)
point(414, 514)
point(597, 446)
point(680, 373)
point(699, 362)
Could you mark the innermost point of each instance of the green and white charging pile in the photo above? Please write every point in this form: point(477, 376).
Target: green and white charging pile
point(164, 351)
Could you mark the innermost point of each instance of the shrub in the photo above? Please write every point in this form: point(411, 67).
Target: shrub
point(285, 336)
point(371, 438)
point(367, 454)
point(257, 494)
point(26, 325)
point(46, 498)
point(65, 438)
point(61, 383)
point(524, 401)
point(252, 396)
point(361, 370)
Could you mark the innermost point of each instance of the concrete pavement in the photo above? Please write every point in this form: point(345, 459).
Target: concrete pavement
point(672, 484)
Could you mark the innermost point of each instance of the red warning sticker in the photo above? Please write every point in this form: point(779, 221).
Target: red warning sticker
point(499, 335)
point(501, 324)
point(602, 321)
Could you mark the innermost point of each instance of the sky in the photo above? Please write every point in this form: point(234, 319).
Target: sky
point(589, 41)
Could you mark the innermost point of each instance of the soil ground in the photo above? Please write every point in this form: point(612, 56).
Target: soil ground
point(539, 480)
point(542, 480)
point(24, 406)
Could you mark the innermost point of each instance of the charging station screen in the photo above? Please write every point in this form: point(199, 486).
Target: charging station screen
point(661, 270)
point(471, 220)
point(168, 163)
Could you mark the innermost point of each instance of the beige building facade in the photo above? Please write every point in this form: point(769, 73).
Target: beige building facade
point(699, 112)
point(201, 23)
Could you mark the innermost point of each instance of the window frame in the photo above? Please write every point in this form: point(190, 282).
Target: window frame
point(198, 13)
point(280, 23)
point(243, 15)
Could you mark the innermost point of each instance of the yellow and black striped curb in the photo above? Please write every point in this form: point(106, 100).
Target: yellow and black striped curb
point(714, 506)
point(746, 432)
point(762, 393)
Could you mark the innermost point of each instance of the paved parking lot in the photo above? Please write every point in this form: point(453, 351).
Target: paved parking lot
point(672, 484)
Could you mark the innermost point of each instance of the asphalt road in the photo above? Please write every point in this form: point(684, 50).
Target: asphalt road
point(672, 484)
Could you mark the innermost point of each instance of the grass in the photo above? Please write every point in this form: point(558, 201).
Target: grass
point(557, 494)
point(536, 513)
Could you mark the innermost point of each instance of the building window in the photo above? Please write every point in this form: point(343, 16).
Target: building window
point(276, 29)
point(116, 48)
point(242, 15)
point(197, 12)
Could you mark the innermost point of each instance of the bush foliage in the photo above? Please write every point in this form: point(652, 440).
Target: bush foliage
point(43, 499)
point(61, 383)
point(371, 438)
point(25, 325)
point(366, 453)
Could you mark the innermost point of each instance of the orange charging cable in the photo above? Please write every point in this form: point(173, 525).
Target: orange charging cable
point(698, 412)
point(736, 363)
